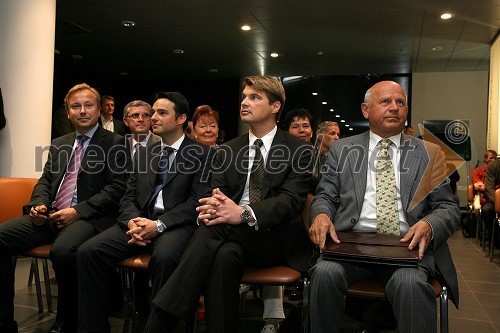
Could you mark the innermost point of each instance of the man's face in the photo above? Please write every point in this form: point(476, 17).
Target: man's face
point(83, 110)
point(301, 128)
point(108, 107)
point(331, 134)
point(255, 106)
point(386, 109)
point(138, 119)
point(163, 119)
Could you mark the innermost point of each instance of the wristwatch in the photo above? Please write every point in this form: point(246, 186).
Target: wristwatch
point(160, 226)
point(247, 217)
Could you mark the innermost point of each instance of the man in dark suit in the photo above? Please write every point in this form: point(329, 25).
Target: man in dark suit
point(157, 213)
point(76, 198)
point(137, 117)
point(107, 120)
point(246, 221)
point(491, 183)
point(425, 213)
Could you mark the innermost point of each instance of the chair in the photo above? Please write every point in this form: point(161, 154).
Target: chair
point(14, 194)
point(371, 288)
point(472, 211)
point(497, 221)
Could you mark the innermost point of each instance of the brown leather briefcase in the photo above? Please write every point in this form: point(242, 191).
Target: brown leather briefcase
point(370, 248)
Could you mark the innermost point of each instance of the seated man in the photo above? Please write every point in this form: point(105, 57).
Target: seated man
point(260, 182)
point(491, 183)
point(76, 198)
point(419, 205)
point(157, 212)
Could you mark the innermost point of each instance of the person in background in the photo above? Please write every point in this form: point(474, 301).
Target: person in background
point(409, 131)
point(206, 125)
point(76, 198)
point(491, 184)
point(298, 123)
point(421, 208)
point(452, 172)
point(478, 175)
point(326, 133)
point(107, 120)
point(137, 117)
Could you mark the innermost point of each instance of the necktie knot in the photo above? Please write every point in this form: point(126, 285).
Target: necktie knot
point(81, 139)
point(385, 143)
point(258, 143)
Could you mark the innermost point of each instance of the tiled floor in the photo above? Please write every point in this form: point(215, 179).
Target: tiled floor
point(479, 281)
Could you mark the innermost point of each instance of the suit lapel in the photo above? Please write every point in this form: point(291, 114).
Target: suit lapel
point(64, 155)
point(360, 171)
point(153, 152)
point(242, 160)
point(409, 168)
point(279, 138)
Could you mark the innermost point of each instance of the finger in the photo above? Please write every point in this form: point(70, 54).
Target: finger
point(407, 236)
point(203, 200)
point(334, 235)
point(421, 249)
point(415, 240)
point(133, 231)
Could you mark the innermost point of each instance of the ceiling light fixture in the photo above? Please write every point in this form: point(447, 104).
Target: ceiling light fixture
point(178, 51)
point(331, 110)
point(342, 121)
point(128, 24)
point(246, 28)
point(213, 70)
point(436, 48)
point(77, 56)
point(324, 103)
point(351, 129)
point(274, 55)
point(337, 116)
point(315, 94)
point(346, 125)
point(446, 16)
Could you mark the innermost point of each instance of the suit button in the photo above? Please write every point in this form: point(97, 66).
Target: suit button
point(353, 221)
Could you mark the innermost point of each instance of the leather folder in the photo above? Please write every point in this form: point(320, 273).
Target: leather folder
point(370, 248)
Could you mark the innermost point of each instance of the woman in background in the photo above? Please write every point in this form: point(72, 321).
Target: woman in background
point(206, 125)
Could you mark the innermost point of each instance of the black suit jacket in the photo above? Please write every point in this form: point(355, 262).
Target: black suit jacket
point(284, 189)
point(188, 180)
point(101, 181)
point(118, 126)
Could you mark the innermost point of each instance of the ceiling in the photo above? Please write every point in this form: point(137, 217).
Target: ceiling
point(314, 37)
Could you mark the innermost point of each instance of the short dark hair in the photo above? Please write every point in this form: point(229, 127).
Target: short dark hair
point(106, 97)
point(299, 113)
point(205, 111)
point(181, 105)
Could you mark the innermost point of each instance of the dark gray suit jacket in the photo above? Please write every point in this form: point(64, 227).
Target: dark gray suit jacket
point(425, 195)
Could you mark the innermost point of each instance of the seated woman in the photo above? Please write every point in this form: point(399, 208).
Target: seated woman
point(478, 175)
point(206, 125)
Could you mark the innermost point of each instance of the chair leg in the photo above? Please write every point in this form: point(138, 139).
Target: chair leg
point(48, 292)
point(443, 300)
point(191, 326)
point(305, 306)
point(38, 288)
point(492, 241)
point(31, 274)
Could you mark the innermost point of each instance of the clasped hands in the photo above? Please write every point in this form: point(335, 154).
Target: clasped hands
point(419, 234)
point(61, 218)
point(218, 209)
point(141, 231)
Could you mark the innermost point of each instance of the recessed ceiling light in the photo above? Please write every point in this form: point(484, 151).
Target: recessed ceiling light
point(128, 24)
point(324, 103)
point(342, 121)
point(315, 94)
point(246, 28)
point(346, 125)
point(446, 16)
point(178, 51)
point(77, 56)
point(274, 55)
point(331, 110)
point(337, 116)
point(436, 48)
point(56, 51)
point(351, 129)
point(213, 70)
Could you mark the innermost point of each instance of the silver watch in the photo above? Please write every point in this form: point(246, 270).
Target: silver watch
point(160, 226)
point(247, 217)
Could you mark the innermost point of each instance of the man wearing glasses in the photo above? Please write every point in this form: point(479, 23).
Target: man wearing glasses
point(137, 117)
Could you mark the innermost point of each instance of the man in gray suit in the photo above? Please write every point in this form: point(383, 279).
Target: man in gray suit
point(137, 117)
point(346, 201)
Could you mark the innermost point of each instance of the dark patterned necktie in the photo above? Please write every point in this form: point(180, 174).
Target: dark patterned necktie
point(387, 204)
point(67, 190)
point(256, 174)
point(161, 178)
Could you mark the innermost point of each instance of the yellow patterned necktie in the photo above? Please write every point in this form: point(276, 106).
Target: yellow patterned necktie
point(387, 204)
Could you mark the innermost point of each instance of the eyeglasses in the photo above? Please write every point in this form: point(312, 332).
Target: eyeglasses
point(136, 116)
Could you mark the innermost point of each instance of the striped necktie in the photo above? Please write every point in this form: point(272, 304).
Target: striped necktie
point(256, 174)
point(68, 186)
point(387, 204)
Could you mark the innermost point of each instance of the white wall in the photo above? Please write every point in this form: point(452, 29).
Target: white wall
point(454, 95)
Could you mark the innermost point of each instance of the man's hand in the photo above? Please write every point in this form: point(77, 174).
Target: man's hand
point(38, 215)
point(420, 234)
point(321, 226)
point(142, 231)
point(64, 217)
point(218, 209)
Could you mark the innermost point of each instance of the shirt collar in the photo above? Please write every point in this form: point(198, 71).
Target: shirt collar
point(375, 138)
point(267, 139)
point(176, 145)
point(143, 142)
point(90, 132)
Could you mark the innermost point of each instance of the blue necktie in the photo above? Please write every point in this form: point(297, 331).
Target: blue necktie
point(161, 178)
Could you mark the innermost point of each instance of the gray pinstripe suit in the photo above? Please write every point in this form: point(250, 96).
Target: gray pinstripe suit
point(340, 194)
